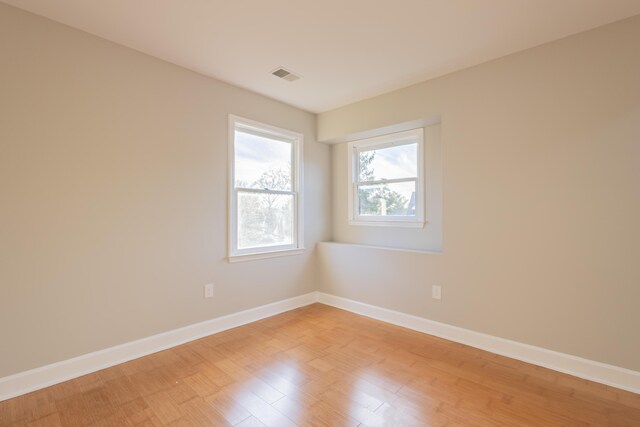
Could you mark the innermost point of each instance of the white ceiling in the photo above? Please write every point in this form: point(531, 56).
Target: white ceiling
point(346, 50)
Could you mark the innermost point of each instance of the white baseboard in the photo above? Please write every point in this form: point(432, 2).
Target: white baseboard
point(45, 376)
point(603, 373)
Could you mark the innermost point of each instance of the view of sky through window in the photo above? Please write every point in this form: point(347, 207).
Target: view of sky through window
point(262, 162)
point(390, 163)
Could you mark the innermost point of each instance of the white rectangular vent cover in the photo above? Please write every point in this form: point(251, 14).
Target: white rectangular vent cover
point(285, 74)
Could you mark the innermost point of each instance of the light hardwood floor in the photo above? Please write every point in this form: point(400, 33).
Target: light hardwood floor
point(320, 366)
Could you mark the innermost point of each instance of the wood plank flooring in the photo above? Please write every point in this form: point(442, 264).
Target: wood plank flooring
point(320, 366)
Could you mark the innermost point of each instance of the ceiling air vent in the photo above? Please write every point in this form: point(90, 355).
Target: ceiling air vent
point(283, 73)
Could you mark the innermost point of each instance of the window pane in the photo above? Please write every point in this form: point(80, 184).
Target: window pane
point(264, 219)
point(389, 163)
point(261, 162)
point(396, 199)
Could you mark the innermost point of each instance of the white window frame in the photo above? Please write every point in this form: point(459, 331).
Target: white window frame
point(296, 140)
point(380, 142)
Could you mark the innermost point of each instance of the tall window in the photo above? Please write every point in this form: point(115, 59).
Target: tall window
point(265, 217)
point(387, 180)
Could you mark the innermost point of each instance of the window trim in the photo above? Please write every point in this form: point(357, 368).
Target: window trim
point(296, 139)
point(381, 142)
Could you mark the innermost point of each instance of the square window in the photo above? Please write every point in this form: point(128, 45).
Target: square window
point(387, 180)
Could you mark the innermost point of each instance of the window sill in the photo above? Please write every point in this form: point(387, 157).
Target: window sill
point(264, 255)
point(404, 224)
point(382, 248)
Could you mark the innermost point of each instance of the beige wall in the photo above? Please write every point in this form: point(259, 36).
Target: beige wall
point(113, 184)
point(541, 190)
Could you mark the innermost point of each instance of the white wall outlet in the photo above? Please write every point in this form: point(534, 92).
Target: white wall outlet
point(436, 292)
point(208, 290)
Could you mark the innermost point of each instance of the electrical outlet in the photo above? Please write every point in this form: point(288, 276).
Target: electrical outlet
point(436, 292)
point(208, 290)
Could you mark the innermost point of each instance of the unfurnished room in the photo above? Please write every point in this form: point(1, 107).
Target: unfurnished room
point(320, 213)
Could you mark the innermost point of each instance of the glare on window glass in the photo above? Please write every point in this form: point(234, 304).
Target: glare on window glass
point(265, 219)
point(262, 163)
point(397, 199)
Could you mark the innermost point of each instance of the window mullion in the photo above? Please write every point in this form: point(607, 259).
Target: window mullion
point(387, 181)
point(264, 191)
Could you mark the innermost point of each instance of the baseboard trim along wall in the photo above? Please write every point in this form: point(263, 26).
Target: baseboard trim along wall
point(45, 376)
point(603, 373)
